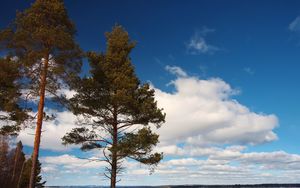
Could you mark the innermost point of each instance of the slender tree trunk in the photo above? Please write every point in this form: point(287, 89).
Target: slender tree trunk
point(113, 179)
point(39, 123)
point(113, 172)
point(114, 161)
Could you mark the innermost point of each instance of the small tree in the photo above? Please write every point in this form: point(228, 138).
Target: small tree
point(116, 108)
point(24, 179)
point(42, 40)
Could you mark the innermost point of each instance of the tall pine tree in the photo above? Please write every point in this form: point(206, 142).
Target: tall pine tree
point(42, 40)
point(117, 109)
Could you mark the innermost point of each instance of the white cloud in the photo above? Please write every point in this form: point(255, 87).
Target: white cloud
point(202, 112)
point(69, 170)
point(198, 44)
point(295, 25)
point(52, 131)
point(273, 160)
point(230, 165)
point(199, 112)
point(240, 168)
point(72, 162)
point(176, 70)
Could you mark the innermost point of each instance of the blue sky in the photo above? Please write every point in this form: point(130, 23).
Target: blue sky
point(229, 54)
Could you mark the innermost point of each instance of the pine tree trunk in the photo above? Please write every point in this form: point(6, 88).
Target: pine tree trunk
point(113, 173)
point(113, 179)
point(39, 123)
point(114, 160)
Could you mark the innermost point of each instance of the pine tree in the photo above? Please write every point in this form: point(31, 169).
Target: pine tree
point(24, 178)
point(15, 170)
point(114, 103)
point(42, 40)
point(17, 160)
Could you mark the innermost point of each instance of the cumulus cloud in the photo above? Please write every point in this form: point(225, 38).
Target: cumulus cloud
point(199, 112)
point(198, 44)
point(52, 131)
point(203, 112)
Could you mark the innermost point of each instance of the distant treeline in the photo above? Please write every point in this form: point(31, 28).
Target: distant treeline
point(15, 167)
point(189, 186)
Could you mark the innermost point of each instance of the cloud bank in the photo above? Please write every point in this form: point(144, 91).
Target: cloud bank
point(231, 165)
point(202, 112)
